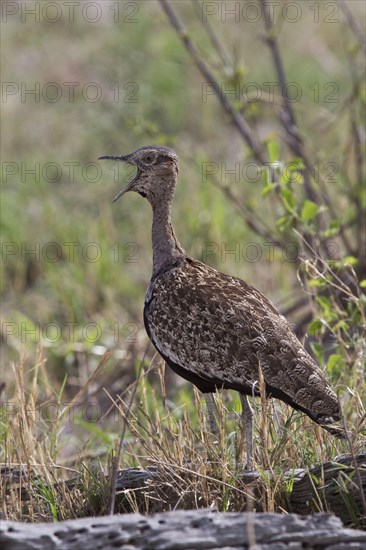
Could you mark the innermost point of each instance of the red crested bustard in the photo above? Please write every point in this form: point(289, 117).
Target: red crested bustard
point(213, 329)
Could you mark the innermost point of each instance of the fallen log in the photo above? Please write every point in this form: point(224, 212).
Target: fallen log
point(186, 530)
point(338, 487)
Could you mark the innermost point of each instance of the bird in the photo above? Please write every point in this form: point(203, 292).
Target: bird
point(216, 330)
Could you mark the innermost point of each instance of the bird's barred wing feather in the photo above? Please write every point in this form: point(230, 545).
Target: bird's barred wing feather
point(221, 329)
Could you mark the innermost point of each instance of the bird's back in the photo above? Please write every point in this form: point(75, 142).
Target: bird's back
point(216, 330)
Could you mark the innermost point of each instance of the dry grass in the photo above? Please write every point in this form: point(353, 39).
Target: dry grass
point(60, 437)
point(58, 465)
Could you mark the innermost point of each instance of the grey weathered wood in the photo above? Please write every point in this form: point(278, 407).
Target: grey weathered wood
point(333, 485)
point(336, 485)
point(183, 530)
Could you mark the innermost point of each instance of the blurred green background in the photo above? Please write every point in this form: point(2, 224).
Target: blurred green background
point(105, 78)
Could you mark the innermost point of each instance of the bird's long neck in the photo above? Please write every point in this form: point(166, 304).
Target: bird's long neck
point(166, 248)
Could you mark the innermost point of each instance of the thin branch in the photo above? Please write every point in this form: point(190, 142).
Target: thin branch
point(340, 285)
point(185, 470)
point(249, 217)
point(302, 301)
point(288, 120)
point(353, 23)
point(123, 433)
point(361, 218)
point(213, 36)
point(354, 458)
point(238, 119)
point(287, 115)
point(271, 40)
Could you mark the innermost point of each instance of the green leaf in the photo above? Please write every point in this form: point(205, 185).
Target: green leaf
point(309, 210)
point(333, 229)
point(284, 179)
point(341, 325)
point(296, 163)
point(297, 177)
point(331, 232)
point(273, 150)
point(316, 283)
point(324, 303)
point(288, 200)
point(291, 172)
point(363, 283)
point(284, 222)
point(268, 189)
point(314, 328)
point(351, 260)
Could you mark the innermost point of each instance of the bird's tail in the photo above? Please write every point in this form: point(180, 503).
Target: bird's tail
point(332, 425)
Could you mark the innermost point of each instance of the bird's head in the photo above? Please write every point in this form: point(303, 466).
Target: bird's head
point(157, 169)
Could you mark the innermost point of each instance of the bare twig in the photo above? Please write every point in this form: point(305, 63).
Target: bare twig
point(353, 23)
point(250, 218)
point(295, 140)
point(213, 36)
point(238, 119)
point(287, 115)
point(339, 284)
point(359, 164)
point(354, 459)
point(298, 304)
point(272, 42)
point(119, 450)
point(183, 469)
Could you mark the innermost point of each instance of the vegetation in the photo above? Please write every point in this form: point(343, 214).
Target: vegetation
point(272, 189)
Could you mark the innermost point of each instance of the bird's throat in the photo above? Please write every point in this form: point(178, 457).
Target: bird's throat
point(166, 248)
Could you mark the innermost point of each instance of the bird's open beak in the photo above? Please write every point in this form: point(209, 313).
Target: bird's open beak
point(127, 159)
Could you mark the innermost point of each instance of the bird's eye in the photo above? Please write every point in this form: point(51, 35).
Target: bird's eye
point(149, 159)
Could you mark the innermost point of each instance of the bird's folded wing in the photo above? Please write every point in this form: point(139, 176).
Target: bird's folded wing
point(221, 328)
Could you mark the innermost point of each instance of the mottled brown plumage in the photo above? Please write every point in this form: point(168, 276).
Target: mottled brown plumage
point(213, 329)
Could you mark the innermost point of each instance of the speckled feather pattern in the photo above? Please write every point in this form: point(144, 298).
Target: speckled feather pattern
point(213, 329)
point(222, 329)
